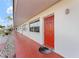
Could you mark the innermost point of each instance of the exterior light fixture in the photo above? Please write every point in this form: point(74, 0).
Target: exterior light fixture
point(67, 11)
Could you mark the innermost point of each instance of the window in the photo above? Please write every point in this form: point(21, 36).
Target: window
point(34, 26)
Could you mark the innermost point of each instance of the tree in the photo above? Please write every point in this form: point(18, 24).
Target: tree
point(2, 26)
point(9, 17)
point(10, 27)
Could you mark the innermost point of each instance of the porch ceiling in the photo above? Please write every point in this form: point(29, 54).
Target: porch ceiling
point(26, 9)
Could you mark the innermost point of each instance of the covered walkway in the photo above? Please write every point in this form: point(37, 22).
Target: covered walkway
point(50, 23)
point(27, 48)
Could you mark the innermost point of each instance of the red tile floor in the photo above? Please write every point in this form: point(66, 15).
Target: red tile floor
point(27, 48)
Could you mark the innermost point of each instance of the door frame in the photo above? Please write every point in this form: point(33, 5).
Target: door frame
point(44, 29)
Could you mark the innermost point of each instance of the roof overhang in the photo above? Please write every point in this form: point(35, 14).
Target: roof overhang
point(26, 9)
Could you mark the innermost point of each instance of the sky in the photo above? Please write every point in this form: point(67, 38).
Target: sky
point(6, 9)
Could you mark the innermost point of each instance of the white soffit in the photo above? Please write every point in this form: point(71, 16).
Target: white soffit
point(25, 9)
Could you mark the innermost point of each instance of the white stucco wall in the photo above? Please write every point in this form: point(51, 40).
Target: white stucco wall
point(66, 28)
point(38, 37)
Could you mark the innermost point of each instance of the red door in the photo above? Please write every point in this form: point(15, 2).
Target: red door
point(49, 31)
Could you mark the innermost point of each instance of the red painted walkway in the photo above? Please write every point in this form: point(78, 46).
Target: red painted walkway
point(27, 48)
